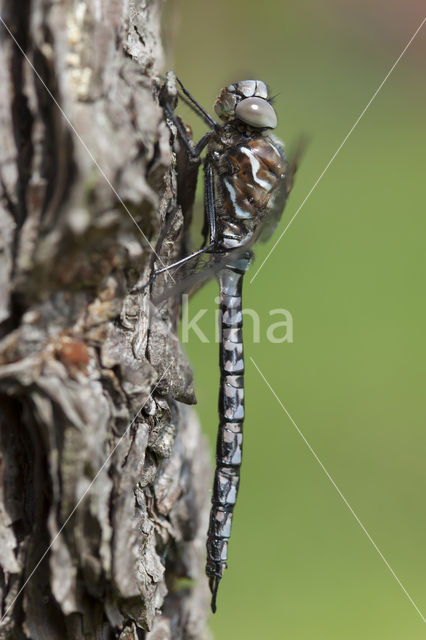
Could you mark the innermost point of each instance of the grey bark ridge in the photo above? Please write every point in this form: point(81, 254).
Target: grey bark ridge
point(81, 359)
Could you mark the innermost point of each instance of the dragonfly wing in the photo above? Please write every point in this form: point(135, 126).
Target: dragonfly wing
point(186, 278)
point(295, 156)
point(194, 274)
point(281, 194)
point(270, 222)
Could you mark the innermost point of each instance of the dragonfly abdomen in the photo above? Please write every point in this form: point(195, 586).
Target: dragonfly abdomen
point(231, 418)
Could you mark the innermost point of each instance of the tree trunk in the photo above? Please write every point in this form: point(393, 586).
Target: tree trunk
point(103, 491)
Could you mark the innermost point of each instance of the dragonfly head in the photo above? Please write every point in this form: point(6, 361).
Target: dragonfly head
point(246, 101)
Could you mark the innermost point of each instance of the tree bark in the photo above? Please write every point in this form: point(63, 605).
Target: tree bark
point(103, 469)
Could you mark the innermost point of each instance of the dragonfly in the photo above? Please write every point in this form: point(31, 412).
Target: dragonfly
point(247, 180)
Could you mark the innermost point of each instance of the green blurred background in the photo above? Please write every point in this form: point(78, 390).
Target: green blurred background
point(350, 269)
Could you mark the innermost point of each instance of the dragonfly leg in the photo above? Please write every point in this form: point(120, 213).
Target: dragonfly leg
point(173, 265)
point(210, 219)
point(209, 201)
point(196, 106)
point(194, 151)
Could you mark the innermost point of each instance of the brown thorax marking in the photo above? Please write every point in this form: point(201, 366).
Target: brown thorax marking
point(247, 176)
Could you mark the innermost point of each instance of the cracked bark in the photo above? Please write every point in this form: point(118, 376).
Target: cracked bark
point(81, 358)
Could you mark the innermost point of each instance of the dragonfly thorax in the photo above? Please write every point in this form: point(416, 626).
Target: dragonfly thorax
point(250, 182)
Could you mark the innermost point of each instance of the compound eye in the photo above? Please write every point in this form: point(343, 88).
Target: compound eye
point(256, 112)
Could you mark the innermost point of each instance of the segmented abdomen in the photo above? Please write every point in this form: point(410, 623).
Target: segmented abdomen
point(231, 417)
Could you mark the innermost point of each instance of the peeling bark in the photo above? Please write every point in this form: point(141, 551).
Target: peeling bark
point(103, 478)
